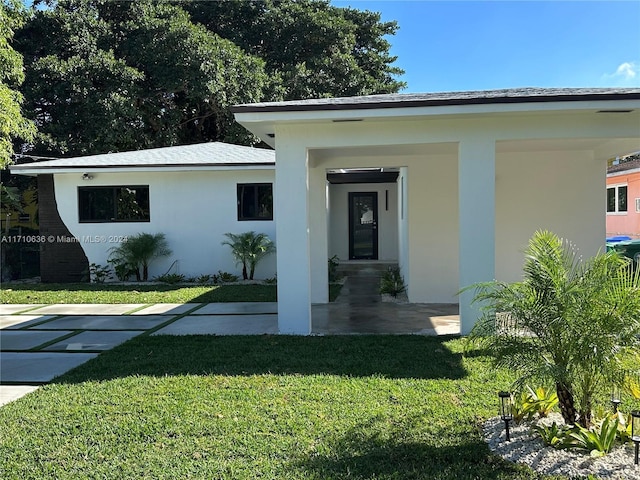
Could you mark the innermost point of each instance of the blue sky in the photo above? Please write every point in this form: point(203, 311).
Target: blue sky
point(477, 45)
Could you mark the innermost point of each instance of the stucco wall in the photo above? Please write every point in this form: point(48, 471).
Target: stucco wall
point(561, 191)
point(193, 209)
point(627, 223)
point(432, 188)
point(387, 219)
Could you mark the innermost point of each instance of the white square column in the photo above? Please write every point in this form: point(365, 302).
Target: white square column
point(292, 235)
point(318, 235)
point(476, 195)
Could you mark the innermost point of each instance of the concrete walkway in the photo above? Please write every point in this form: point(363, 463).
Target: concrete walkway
point(41, 342)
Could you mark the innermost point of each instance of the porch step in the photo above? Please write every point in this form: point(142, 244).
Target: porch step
point(364, 268)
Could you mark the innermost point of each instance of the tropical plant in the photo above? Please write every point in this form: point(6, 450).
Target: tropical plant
point(392, 282)
point(138, 251)
point(249, 248)
point(553, 435)
point(597, 441)
point(333, 264)
point(572, 321)
point(224, 277)
point(99, 273)
point(170, 278)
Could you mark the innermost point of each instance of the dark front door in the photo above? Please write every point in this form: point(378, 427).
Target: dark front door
point(363, 225)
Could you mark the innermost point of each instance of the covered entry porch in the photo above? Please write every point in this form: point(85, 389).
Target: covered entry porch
point(479, 173)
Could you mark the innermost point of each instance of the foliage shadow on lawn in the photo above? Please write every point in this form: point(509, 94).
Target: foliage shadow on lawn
point(397, 356)
point(364, 453)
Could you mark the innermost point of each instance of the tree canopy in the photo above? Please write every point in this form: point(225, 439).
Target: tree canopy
point(13, 125)
point(122, 75)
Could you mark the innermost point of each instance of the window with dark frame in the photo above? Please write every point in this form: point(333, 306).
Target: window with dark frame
point(113, 204)
point(255, 201)
point(617, 199)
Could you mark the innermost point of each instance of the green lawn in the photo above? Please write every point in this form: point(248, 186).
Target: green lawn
point(144, 293)
point(268, 407)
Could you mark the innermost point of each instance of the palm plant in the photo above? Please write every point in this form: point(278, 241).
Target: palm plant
point(249, 248)
point(570, 322)
point(139, 251)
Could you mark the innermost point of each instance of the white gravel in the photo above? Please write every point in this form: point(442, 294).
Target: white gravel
point(528, 448)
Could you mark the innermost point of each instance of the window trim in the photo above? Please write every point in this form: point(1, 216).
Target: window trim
point(615, 187)
point(113, 188)
point(256, 185)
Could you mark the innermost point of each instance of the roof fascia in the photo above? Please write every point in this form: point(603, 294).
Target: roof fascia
point(21, 170)
point(348, 113)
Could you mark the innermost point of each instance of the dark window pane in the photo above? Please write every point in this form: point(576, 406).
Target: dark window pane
point(133, 203)
point(611, 199)
point(622, 199)
point(255, 201)
point(113, 204)
point(96, 204)
point(265, 202)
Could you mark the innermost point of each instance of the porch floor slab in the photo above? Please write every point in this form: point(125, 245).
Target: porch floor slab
point(385, 318)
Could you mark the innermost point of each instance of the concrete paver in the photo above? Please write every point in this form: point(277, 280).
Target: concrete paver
point(238, 308)
point(9, 393)
point(21, 321)
point(104, 322)
point(167, 309)
point(11, 309)
point(26, 340)
point(89, 309)
point(38, 367)
point(103, 340)
point(222, 325)
point(105, 326)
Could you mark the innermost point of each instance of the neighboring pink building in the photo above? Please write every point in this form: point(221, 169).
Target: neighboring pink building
point(623, 199)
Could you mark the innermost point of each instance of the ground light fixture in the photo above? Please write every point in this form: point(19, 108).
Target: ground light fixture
point(506, 412)
point(615, 398)
point(635, 431)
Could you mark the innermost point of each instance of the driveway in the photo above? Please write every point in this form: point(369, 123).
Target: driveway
point(41, 342)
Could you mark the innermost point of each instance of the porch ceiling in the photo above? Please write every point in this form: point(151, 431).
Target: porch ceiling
point(322, 154)
point(603, 147)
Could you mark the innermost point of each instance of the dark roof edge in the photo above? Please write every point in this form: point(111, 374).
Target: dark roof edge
point(298, 107)
point(30, 166)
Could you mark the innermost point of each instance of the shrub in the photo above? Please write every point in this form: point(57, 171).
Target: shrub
point(249, 249)
point(334, 263)
point(203, 279)
point(573, 321)
point(138, 252)
point(225, 277)
point(99, 273)
point(170, 278)
point(392, 282)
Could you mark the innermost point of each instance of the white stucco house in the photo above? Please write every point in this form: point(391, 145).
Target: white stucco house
point(449, 185)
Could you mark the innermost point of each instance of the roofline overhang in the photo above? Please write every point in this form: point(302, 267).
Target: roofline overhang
point(385, 104)
point(32, 169)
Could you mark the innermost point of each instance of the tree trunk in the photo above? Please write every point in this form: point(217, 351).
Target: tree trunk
point(567, 406)
point(585, 417)
point(145, 272)
point(244, 272)
point(252, 271)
